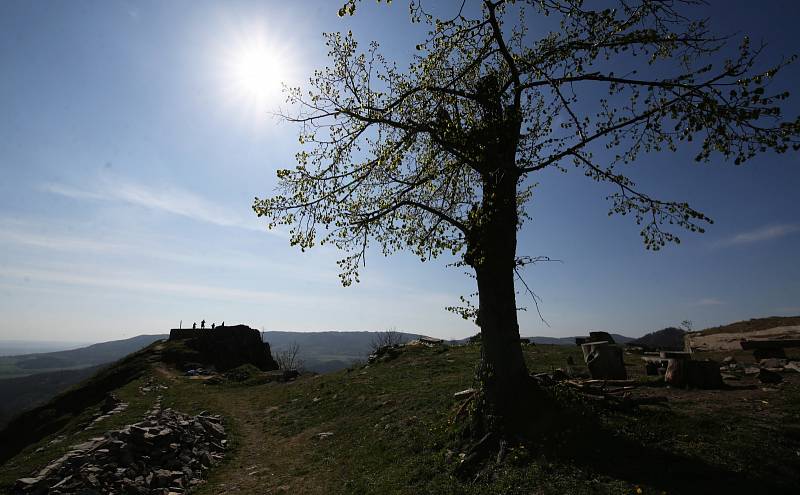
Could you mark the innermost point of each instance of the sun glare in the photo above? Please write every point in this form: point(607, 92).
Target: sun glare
point(258, 72)
point(256, 68)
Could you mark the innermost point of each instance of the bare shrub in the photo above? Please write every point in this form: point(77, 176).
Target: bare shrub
point(289, 359)
point(388, 338)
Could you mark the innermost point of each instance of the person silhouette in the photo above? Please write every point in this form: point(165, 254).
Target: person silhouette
point(203, 324)
point(212, 326)
point(223, 324)
point(194, 326)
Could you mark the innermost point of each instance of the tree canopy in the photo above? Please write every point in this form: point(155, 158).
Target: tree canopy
point(400, 157)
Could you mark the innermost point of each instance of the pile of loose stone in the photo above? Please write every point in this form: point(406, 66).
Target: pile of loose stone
point(166, 453)
point(767, 371)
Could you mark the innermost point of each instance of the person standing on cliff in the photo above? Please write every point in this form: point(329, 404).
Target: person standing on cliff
point(203, 324)
point(194, 326)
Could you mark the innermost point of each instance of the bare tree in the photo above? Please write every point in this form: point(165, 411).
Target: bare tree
point(289, 359)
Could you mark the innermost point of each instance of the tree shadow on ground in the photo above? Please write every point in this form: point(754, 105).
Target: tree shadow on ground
point(602, 451)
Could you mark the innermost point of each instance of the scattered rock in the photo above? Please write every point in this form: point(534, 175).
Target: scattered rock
point(323, 435)
point(384, 353)
point(289, 375)
point(773, 363)
point(728, 360)
point(604, 360)
point(792, 365)
point(699, 374)
point(772, 352)
point(110, 403)
point(166, 453)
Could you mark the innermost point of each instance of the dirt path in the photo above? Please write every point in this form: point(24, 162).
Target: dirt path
point(260, 461)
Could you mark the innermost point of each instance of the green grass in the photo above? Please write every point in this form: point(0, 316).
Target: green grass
point(392, 434)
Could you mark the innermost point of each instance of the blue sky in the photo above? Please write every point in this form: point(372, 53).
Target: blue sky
point(130, 154)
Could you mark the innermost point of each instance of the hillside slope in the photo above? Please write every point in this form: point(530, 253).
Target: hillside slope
point(48, 418)
point(22, 393)
point(83, 357)
point(728, 337)
point(754, 325)
point(390, 428)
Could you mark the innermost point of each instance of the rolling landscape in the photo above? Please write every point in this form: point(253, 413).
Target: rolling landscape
point(397, 416)
point(30, 379)
point(356, 247)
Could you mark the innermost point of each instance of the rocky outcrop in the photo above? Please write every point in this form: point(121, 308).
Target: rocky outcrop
point(228, 347)
point(169, 452)
point(728, 339)
point(604, 360)
point(696, 374)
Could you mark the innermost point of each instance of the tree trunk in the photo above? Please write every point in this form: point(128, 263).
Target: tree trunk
point(502, 370)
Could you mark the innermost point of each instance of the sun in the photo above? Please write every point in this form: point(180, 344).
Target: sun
point(258, 72)
point(256, 67)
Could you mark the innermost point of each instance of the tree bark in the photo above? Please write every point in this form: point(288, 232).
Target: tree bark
point(502, 370)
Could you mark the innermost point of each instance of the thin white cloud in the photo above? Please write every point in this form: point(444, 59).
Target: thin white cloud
point(40, 236)
point(167, 199)
point(766, 233)
point(71, 192)
point(71, 244)
point(118, 281)
point(709, 301)
point(58, 242)
point(10, 278)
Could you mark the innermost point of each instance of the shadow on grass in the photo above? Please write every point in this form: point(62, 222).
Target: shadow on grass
point(624, 459)
point(599, 450)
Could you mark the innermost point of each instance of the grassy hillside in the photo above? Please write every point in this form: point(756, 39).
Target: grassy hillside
point(754, 325)
point(392, 433)
point(61, 411)
point(22, 393)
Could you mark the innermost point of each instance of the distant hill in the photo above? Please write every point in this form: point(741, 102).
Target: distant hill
point(19, 347)
point(321, 351)
point(327, 351)
point(668, 339)
point(29, 380)
point(83, 357)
